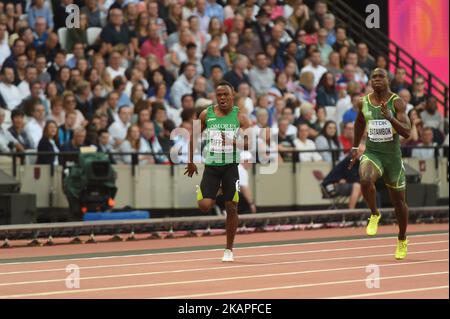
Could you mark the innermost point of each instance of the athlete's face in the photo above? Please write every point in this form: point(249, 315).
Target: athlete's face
point(379, 80)
point(225, 97)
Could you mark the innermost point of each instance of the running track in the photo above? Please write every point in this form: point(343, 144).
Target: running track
point(326, 263)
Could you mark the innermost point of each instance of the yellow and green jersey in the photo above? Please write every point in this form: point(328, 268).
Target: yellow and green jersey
point(381, 136)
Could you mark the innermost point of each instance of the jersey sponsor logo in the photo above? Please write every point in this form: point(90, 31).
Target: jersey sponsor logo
point(380, 131)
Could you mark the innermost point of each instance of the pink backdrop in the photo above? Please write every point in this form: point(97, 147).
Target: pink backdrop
point(421, 28)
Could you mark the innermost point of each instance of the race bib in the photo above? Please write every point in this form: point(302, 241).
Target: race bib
point(216, 141)
point(380, 131)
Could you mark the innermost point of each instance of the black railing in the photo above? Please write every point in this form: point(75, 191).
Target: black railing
point(380, 44)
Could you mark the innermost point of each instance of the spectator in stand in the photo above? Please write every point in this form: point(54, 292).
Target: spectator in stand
point(238, 74)
point(321, 118)
point(350, 115)
point(426, 141)
point(342, 40)
point(21, 139)
point(297, 20)
point(306, 117)
point(315, 67)
point(57, 113)
point(432, 118)
point(261, 76)
point(326, 90)
point(305, 90)
point(5, 50)
point(406, 97)
point(213, 57)
point(65, 131)
point(118, 129)
point(214, 79)
point(70, 103)
point(360, 75)
point(302, 143)
point(151, 144)
point(346, 137)
point(48, 143)
point(216, 32)
point(381, 62)
point(77, 35)
point(40, 9)
point(399, 82)
point(183, 85)
point(365, 61)
point(74, 145)
point(132, 144)
point(414, 137)
point(323, 46)
point(93, 13)
point(153, 45)
point(10, 93)
point(419, 97)
point(115, 32)
point(334, 65)
point(285, 141)
point(328, 139)
point(250, 44)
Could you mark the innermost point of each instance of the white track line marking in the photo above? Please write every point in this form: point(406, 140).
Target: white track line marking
point(217, 249)
point(62, 292)
point(392, 292)
point(210, 268)
point(215, 258)
point(232, 292)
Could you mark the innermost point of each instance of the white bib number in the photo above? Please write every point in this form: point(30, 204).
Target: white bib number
point(380, 131)
point(216, 145)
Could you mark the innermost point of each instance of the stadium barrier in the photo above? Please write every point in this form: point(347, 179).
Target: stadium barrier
point(156, 186)
point(171, 227)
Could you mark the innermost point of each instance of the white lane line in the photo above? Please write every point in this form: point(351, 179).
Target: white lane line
point(392, 292)
point(216, 249)
point(211, 268)
point(215, 258)
point(211, 280)
point(233, 292)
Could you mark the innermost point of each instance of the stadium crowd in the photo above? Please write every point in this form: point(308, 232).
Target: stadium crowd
point(136, 70)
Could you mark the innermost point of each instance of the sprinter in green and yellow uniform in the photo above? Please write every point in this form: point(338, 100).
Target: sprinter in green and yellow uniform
point(382, 115)
point(223, 123)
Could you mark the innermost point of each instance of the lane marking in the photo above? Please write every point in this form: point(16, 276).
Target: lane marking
point(256, 246)
point(215, 258)
point(232, 292)
point(212, 279)
point(391, 292)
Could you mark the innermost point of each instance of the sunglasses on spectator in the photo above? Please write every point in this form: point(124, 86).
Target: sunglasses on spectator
point(420, 83)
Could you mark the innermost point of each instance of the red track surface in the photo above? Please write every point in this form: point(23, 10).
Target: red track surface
point(333, 269)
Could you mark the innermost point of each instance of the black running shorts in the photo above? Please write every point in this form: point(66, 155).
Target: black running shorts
point(227, 176)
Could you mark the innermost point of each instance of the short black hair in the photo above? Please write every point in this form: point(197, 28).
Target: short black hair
point(186, 96)
point(225, 83)
point(16, 113)
point(102, 131)
point(216, 66)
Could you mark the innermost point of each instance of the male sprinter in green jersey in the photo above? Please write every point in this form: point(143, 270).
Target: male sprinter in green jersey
point(222, 123)
point(382, 114)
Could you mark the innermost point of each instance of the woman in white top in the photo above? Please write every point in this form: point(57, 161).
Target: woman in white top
point(217, 30)
point(132, 144)
point(328, 139)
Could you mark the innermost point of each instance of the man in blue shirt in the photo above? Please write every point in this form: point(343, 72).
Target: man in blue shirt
point(214, 10)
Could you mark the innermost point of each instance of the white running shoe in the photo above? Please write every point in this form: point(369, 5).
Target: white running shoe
point(227, 256)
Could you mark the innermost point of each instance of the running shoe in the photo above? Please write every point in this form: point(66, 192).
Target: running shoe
point(228, 256)
point(372, 225)
point(402, 249)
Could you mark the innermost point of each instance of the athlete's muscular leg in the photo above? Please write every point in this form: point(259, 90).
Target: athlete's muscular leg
point(232, 222)
point(368, 175)
point(206, 204)
point(398, 199)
